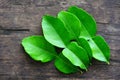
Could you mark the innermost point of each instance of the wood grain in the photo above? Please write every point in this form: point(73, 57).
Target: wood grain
point(21, 18)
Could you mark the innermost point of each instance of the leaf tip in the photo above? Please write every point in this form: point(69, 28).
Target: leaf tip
point(81, 72)
point(90, 63)
point(86, 70)
point(108, 62)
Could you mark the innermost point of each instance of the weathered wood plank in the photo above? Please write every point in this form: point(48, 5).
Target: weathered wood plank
point(21, 18)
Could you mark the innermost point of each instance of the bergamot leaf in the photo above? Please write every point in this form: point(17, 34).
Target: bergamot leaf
point(64, 65)
point(100, 49)
point(38, 48)
point(71, 22)
point(84, 44)
point(77, 55)
point(88, 22)
point(55, 31)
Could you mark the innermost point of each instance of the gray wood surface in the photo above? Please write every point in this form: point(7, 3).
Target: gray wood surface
point(21, 18)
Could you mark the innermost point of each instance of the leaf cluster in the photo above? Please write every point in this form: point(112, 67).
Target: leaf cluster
point(74, 31)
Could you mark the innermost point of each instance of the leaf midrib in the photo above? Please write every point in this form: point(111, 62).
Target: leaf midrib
point(65, 62)
point(86, 31)
point(46, 52)
point(84, 28)
point(99, 49)
point(58, 35)
point(76, 56)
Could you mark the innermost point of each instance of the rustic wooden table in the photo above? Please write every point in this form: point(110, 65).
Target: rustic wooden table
point(21, 18)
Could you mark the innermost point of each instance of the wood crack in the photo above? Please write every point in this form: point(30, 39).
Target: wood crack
point(9, 31)
point(102, 22)
point(15, 29)
point(115, 60)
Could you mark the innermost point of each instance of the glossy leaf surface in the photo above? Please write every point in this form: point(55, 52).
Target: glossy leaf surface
point(55, 31)
point(77, 55)
point(64, 65)
point(74, 31)
point(84, 44)
point(100, 49)
point(86, 19)
point(38, 48)
point(71, 22)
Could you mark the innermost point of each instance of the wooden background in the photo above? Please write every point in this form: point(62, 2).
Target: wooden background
point(21, 18)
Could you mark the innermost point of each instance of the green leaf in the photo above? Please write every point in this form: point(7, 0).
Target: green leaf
point(88, 22)
point(64, 65)
point(71, 22)
point(38, 48)
point(77, 55)
point(74, 24)
point(88, 30)
point(100, 49)
point(84, 44)
point(55, 31)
